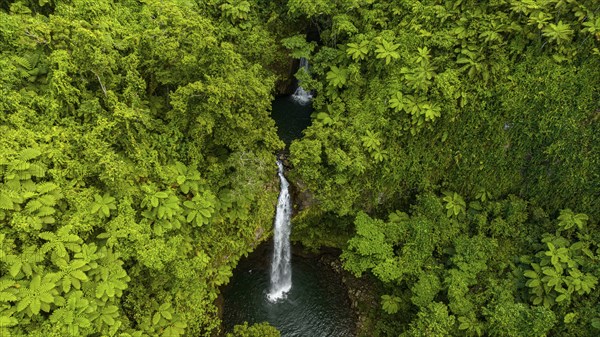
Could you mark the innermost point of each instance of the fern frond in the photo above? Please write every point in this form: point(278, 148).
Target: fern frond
point(45, 211)
point(37, 170)
point(7, 297)
point(20, 165)
point(6, 283)
point(45, 188)
point(5, 202)
point(33, 206)
point(24, 175)
point(48, 200)
point(30, 153)
point(22, 62)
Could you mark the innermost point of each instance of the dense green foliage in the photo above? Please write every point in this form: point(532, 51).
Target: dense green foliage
point(454, 155)
point(457, 145)
point(136, 162)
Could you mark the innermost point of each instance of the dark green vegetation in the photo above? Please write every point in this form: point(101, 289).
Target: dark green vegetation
point(457, 145)
point(454, 154)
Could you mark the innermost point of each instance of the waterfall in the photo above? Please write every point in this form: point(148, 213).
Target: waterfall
point(302, 96)
point(281, 269)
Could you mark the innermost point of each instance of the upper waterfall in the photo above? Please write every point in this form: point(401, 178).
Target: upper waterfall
point(302, 96)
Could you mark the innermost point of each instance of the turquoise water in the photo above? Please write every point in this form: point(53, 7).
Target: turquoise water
point(316, 306)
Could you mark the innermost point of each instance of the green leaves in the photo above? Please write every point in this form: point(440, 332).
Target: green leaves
point(370, 249)
point(165, 322)
point(559, 33)
point(568, 219)
point(474, 62)
point(397, 102)
point(102, 205)
point(162, 205)
point(420, 109)
point(455, 204)
point(358, 51)
point(163, 313)
point(470, 325)
point(560, 274)
point(21, 168)
point(7, 321)
point(71, 273)
point(236, 9)
point(390, 304)
point(200, 209)
point(483, 195)
point(188, 179)
point(60, 241)
point(592, 26)
point(75, 315)
point(431, 112)
point(112, 286)
point(25, 263)
point(337, 77)
point(325, 118)
point(38, 295)
point(106, 315)
point(371, 141)
point(373, 145)
point(175, 329)
point(7, 290)
point(386, 50)
point(299, 46)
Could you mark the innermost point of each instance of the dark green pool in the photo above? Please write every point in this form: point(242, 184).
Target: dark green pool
point(291, 118)
point(316, 306)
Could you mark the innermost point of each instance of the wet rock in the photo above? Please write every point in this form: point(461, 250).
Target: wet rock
point(286, 83)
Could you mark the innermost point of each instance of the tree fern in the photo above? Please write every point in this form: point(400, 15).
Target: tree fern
point(22, 62)
point(75, 315)
point(7, 290)
point(7, 321)
point(60, 241)
point(71, 273)
point(37, 295)
point(26, 262)
point(9, 199)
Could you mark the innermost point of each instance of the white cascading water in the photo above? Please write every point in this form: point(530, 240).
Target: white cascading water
point(302, 96)
point(281, 268)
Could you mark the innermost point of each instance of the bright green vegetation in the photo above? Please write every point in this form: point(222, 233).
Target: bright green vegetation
point(456, 145)
point(454, 154)
point(136, 163)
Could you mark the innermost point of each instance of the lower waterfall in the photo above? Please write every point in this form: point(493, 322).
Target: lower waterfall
point(281, 269)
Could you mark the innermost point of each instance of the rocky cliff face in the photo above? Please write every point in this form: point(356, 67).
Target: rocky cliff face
point(286, 82)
